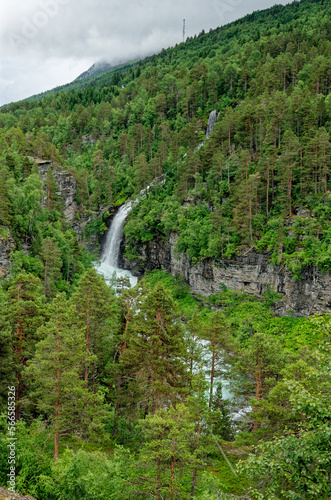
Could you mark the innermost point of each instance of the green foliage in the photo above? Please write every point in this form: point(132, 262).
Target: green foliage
point(95, 307)
point(166, 460)
point(261, 181)
point(54, 375)
point(179, 290)
point(268, 156)
point(26, 204)
point(6, 354)
point(298, 462)
point(95, 227)
point(150, 330)
point(91, 475)
point(33, 458)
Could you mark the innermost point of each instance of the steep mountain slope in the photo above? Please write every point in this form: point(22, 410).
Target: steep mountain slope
point(252, 198)
point(96, 75)
point(262, 177)
point(94, 70)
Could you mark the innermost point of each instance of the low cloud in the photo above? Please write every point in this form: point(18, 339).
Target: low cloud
point(35, 34)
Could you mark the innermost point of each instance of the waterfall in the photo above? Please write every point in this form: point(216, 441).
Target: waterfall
point(211, 122)
point(108, 265)
point(111, 250)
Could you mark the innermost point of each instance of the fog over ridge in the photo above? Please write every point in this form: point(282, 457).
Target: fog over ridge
point(45, 43)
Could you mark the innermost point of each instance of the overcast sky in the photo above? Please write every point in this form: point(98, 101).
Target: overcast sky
point(45, 43)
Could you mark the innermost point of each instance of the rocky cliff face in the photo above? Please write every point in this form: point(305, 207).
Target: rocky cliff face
point(66, 184)
point(7, 246)
point(7, 495)
point(74, 215)
point(252, 273)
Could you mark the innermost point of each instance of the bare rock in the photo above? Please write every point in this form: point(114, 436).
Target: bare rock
point(8, 495)
point(252, 273)
point(7, 246)
point(66, 184)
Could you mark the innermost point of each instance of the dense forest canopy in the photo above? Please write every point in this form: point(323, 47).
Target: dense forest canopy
point(94, 419)
point(268, 77)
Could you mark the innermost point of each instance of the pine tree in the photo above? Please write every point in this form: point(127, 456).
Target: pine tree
point(24, 316)
point(152, 333)
point(286, 169)
point(198, 414)
point(216, 330)
point(51, 255)
point(94, 302)
point(55, 376)
point(316, 162)
point(142, 171)
point(263, 360)
point(246, 207)
point(166, 456)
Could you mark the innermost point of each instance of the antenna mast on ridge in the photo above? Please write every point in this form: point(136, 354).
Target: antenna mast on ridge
point(183, 30)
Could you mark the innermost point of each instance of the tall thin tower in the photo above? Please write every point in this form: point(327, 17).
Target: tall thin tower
point(183, 30)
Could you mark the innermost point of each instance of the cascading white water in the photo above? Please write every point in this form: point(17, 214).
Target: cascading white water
point(111, 251)
point(211, 123)
point(108, 265)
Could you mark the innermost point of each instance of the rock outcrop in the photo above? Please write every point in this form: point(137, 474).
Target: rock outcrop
point(92, 242)
point(8, 495)
point(75, 216)
point(66, 184)
point(252, 273)
point(7, 246)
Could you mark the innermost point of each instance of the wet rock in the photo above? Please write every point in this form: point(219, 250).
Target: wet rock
point(211, 123)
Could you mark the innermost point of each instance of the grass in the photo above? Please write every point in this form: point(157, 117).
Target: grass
point(179, 290)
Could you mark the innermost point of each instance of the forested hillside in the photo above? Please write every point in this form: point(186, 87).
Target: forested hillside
point(150, 393)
